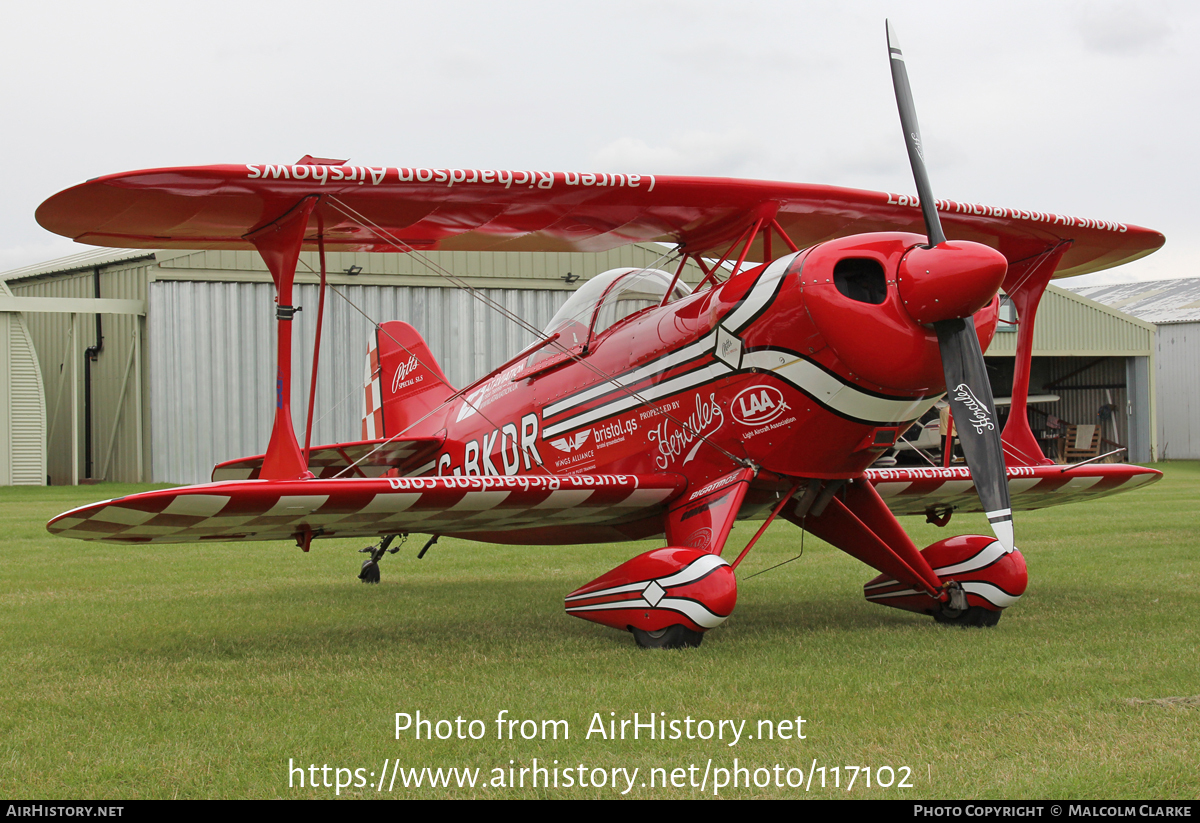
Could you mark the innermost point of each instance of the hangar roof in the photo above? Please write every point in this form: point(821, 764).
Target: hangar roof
point(88, 259)
point(1156, 301)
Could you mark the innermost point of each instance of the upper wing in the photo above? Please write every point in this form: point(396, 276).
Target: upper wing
point(469, 506)
point(391, 209)
point(923, 491)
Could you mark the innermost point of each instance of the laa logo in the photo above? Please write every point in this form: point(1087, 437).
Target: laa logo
point(758, 404)
point(570, 444)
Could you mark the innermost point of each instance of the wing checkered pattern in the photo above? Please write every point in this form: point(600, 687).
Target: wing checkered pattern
point(921, 490)
point(273, 510)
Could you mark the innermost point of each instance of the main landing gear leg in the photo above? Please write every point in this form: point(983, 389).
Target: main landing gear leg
point(370, 567)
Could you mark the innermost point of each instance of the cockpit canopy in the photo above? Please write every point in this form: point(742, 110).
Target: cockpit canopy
point(609, 298)
point(601, 303)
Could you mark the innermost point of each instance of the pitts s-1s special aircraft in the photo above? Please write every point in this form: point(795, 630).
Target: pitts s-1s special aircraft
point(647, 408)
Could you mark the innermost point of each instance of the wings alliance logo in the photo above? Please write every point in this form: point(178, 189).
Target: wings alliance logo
point(571, 444)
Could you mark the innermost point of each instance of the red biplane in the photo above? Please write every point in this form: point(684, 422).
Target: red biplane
point(647, 408)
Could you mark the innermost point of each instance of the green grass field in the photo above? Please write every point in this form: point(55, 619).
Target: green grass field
point(201, 671)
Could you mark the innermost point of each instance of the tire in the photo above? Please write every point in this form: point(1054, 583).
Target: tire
point(370, 572)
point(975, 616)
point(672, 637)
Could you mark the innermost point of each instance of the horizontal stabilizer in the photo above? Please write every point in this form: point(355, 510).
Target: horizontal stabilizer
point(301, 509)
point(366, 458)
point(937, 490)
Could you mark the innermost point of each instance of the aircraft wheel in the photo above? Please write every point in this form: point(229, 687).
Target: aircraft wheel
point(370, 572)
point(973, 616)
point(672, 637)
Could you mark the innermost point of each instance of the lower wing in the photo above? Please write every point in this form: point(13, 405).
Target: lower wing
point(935, 490)
point(504, 509)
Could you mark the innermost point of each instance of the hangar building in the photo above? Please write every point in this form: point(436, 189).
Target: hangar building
point(182, 379)
point(1173, 306)
point(1099, 363)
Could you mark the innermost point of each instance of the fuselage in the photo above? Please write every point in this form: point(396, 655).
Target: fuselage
point(807, 367)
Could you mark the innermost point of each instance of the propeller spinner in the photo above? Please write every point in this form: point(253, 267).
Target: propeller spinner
point(959, 273)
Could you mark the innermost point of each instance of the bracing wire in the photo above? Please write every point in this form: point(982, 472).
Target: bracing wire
point(456, 393)
point(503, 311)
point(803, 531)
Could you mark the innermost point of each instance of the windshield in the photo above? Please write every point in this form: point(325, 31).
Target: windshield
point(617, 294)
point(602, 302)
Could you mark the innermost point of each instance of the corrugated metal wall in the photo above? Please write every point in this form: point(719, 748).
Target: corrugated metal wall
point(1138, 393)
point(548, 268)
point(212, 365)
point(1069, 325)
point(1177, 367)
point(113, 422)
point(22, 407)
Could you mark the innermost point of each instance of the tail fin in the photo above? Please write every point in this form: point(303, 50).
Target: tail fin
point(403, 384)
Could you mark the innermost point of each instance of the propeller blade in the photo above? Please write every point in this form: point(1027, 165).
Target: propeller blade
point(967, 386)
point(970, 397)
point(912, 138)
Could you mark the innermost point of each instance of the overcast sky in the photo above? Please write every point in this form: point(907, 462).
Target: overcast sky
point(1082, 108)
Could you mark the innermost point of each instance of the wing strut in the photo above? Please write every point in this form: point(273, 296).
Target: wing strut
point(278, 244)
point(312, 387)
point(1025, 284)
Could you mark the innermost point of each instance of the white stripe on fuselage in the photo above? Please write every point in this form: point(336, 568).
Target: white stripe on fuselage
point(827, 389)
point(684, 382)
point(812, 380)
point(760, 295)
point(691, 352)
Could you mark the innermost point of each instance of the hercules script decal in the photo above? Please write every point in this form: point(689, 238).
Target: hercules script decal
point(980, 418)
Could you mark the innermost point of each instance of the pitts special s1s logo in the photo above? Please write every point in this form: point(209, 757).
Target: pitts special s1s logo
point(758, 404)
point(403, 371)
point(981, 417)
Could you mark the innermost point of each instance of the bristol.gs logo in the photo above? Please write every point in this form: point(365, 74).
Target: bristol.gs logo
point(758, 404)
point(980, 417)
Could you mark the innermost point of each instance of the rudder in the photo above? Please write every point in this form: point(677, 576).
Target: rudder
point(403, 385)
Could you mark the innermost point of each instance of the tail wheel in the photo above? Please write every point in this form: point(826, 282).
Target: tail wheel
point(672, 637)
point(370, 572)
